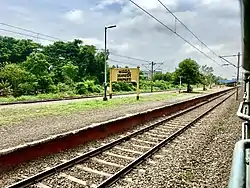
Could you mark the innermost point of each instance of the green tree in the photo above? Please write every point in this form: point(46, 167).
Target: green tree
point(16, 51)
point(188, 69)
point(163, 76)
point(158, 76)
point(208, 77)
point(15, 75)
point(141, 75)
point(94, 63)
point(37, 64)
point(69, 72)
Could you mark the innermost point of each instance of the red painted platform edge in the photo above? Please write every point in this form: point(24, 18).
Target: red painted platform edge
point(20, 154)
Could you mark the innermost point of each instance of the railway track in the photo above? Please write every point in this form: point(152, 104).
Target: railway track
point(101, 167)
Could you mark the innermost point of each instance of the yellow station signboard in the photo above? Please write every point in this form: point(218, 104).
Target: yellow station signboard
point(124, 75)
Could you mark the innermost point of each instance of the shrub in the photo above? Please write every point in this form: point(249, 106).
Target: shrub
point(27, 88)
point(97, 89)
point(5, 89)
point(44, 83)
point(116, 87)
point(127, 86)
point(81, 88)
point(62, 87)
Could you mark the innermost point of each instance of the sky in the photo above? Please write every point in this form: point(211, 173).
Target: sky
point(215, 22)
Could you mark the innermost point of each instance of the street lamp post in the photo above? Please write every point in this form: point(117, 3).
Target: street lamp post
point(237, 67)
point(105, 62)
point(180, 83)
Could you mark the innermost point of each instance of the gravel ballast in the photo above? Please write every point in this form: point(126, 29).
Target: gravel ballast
point(200, 157)
point(33, 129)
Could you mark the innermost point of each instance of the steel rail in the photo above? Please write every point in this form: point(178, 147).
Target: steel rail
point(44, 174)
point(150, 152)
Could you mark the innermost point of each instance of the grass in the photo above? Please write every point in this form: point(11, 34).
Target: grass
point(35, 97)
point(68, 95)
point(11, 115)
point(39, 97)
point(54, 96)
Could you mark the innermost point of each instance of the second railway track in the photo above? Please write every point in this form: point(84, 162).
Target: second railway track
point(107, 164)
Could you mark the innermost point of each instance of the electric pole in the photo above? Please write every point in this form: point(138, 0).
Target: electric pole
point(180, 84)
point(152, 74)
point(151, 71)
point(238, 72)
point(237, 69)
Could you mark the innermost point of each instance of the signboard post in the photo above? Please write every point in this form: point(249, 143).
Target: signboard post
point(124, 75)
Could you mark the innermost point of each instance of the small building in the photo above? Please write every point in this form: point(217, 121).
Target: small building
point(228, 82)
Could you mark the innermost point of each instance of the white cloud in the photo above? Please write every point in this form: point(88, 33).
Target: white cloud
point(154, 4)
point(75, 16)
point(112, 45)
point(215, 22)
point(92, 41)
point(105, 3)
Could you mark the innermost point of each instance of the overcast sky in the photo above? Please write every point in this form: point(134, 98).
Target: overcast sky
point(215, 22)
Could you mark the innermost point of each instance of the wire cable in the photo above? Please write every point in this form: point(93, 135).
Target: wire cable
point(27, 30)
point(122, 62)
point(128, 57)
point(145, 11)
point(15, 32)
point(186, 27)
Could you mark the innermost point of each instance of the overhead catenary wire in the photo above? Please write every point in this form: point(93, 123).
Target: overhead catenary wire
point(117, 61)
point(30, 31)
point(145, 11)
point(128, 57)
point(24, 34)
point(186, 27)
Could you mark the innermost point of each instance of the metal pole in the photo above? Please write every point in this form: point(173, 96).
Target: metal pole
point(105, 66)
point(247, 131)
point(180, 81)
point(180, 84)
point(152, 72)
point(238, 72)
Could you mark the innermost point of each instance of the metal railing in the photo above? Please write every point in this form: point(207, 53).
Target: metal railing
point(240, 172)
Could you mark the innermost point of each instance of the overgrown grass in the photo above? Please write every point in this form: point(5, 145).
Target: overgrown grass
point(53, 96)
point(13, 115)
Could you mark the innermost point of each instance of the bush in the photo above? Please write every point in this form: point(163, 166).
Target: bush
point(44, 83)
point(81, 88)
point(87, 86)
point(116, 87)
point(27, 88)
point(5, 89)
point(145, 85)
point(127, 86)
point(160, 84)
point(53, 89)
point(62, 87)
point(97, 89)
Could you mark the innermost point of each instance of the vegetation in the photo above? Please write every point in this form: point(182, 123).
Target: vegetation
point(72, 68)
point(14, 115)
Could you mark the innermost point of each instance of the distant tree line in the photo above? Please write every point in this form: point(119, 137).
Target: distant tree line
point(29, 68)
point(190, 73)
